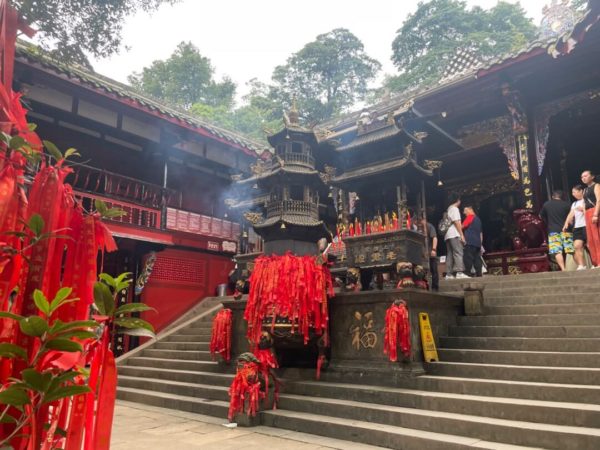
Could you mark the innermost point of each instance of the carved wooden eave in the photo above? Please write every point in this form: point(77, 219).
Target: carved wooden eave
point(405, 163)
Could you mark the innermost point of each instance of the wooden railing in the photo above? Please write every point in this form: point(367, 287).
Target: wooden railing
point(301, 159)
point(279, 208)
point(134, 214)
point(120, 187)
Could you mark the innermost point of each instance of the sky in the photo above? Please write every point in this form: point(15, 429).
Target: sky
point(246, 39)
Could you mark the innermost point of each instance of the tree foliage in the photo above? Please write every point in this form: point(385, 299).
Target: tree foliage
point(327, 75)
point(76, 27)
point(429, 38)
point(185, 78)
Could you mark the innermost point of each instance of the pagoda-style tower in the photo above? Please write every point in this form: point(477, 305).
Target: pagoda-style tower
point(291, 188)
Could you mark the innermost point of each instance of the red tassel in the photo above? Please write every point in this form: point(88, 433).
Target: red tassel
point(397, 327)
point(220, 341)
point(294, 287)
point(245, 389)
point(320, 362)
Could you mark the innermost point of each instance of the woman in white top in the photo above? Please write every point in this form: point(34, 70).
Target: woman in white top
point(577, 218)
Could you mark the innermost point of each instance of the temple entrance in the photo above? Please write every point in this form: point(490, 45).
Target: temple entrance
point(496, 216)
point(572, 148)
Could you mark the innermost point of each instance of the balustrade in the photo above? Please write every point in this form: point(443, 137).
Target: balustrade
point(279, 208)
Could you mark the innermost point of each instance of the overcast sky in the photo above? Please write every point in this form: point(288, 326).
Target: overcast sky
point(246, 39)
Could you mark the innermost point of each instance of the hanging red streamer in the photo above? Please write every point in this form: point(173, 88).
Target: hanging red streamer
point(397, 331)
point(220, 341)
point(293, 287)
point(244, 392)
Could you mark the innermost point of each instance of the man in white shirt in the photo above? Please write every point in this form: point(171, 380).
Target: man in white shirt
point(455, 240)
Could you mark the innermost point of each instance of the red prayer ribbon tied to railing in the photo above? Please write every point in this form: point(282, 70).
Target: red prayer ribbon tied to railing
point(294, 287)
point(220, 341)
point(397, 331)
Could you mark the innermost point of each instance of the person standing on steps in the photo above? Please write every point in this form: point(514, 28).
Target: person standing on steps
point(554, 213)
point(577, 218)
point(591, 197)
point(473, 236)
point(455, 240)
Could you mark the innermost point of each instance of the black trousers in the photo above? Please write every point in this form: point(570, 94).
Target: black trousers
point(472, 259)
point(435, 277)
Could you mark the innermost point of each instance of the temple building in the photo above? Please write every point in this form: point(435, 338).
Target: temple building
point(168, 171)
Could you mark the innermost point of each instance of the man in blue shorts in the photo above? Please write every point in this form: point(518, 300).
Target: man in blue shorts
point(560, 243)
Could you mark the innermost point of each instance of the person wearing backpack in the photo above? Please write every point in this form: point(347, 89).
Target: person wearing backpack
point(454, 238)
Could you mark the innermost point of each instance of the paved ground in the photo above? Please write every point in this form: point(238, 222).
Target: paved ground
point(139, 426)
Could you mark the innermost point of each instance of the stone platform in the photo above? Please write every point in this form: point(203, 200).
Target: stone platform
point(356, 323)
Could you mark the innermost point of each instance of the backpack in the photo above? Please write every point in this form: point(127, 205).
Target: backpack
point(444, 224)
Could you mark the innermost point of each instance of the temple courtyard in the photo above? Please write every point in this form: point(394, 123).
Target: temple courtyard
point(139, 426)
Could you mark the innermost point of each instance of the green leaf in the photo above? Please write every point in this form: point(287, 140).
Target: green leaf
point(134, 322)
point(114, 212)
point(53, 150)
point(65, 391)
point(36, 380)
point(100, 206)
point(16, 142)
point(33, 326)
point(103, 299)
point(108, 280)
point(133, 307)
point(64, 345)
point(32, 126)
point(123, 281)
point(58, 326)
point(40, 301)
point(71, 152)
point(36, 224)
point(61, 298)
point(79, 334)
point(14, 396)
point(9, 315)
point(12, 351)
point(137, 332)
point(66, 376)
point(6, 418)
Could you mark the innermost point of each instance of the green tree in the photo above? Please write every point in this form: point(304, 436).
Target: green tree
point(76, 27)
point(327, 75)
point(429, 38)
point(185, 78)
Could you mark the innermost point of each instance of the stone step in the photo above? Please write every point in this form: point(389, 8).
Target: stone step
point(532, 279)
point(373, 433)
point(174, 345)
point(539, 298)
point(176, 364)
point(188, 355)
point(209, 407)
point(571, 290)
point(204, 338)
point(194, 390)
point(188, 376)
point(523, 344)
point(553, 392)
point(573, 308)
point(199, 331)
point(574, 414)
point(532, 320)
point(525, 358)
point(543, 374)
point(490, 429)
point(574, 331)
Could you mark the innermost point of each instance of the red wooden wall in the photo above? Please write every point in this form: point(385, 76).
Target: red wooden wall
point(181, 279)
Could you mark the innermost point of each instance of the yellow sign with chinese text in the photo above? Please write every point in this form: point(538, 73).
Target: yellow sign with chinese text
point(429, 350)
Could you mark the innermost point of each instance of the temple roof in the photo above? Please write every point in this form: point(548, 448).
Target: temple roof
point(290, 219)
point(380, 134)
point(285, 169)
point(34, 56)
point(377, 169)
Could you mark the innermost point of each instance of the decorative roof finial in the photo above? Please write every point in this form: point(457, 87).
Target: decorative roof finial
point(293, 114)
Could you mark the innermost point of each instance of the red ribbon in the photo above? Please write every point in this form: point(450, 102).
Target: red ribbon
point(220, 341)
point(397, 329)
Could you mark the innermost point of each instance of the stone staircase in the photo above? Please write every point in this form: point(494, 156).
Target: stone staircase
point(526, 374)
